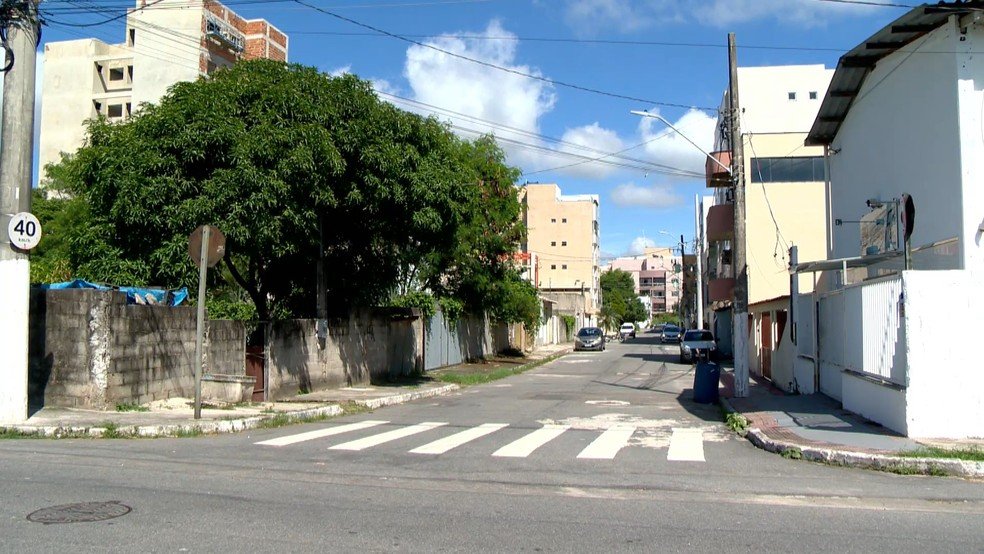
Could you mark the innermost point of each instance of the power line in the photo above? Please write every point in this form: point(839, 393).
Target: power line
point(105, 21)
point(499, 67)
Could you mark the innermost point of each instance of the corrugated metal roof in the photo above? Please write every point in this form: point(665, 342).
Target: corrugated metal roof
point(854, 67)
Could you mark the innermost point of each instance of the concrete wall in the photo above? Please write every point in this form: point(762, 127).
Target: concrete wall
point(89, 349)
point(970, 92)
point(363, 348)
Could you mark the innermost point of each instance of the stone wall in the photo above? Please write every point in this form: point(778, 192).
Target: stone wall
point(90, 349)
point(367, 347)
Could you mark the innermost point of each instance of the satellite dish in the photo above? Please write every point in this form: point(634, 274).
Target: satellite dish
point(908, 216)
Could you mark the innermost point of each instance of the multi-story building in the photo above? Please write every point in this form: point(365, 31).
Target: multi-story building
point(657, 278)
point(562, 233)
point(165, 43)
point(785, 202)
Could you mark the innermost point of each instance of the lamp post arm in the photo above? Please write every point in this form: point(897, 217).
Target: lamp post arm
point(685, 137)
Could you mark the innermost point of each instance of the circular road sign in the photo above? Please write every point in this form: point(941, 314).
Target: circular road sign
point(24, 230)
point(214, 250)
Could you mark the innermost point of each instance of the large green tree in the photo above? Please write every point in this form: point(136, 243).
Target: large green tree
point(287, 161)
point(620, 304)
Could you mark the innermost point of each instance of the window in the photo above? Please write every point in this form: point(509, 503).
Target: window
point(553, 220)
point(675, 293)
point(788, 170)
point(129, 109)
point(553, 266)
point(792, 96)
point(563, 266)
point(563, 220)
point(98, 106)
point(553, 243)
point(563, 243)
point(133, 36)
point(116, 74)
point(115, 110)
point(813, 95)
point(129, 69)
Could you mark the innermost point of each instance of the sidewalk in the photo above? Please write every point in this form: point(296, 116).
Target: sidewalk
point(815, 427)
point(175, 417)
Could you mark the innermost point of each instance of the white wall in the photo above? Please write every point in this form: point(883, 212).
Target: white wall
point(900, 137)
point(167, 49)
point(764, 95)
point(944, 318)
point(970, 86)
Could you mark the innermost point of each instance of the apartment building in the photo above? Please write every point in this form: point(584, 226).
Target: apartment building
point(165, 43)
point(657, 278)
point(785, 202)
point(562, 234)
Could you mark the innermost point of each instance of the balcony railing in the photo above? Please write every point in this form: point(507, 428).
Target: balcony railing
point(717, 176)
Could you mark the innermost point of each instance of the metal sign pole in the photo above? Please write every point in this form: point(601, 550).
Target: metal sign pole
point(202, 272)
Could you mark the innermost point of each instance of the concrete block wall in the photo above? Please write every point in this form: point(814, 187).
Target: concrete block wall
point(366, 347)
point(90, 349)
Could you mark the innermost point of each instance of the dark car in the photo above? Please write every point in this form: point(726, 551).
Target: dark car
point(671, 333)
point(589, 338)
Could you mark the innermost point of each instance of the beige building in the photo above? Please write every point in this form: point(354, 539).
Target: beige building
point(562, 233)
point(165, 43)
point(657, 276)
point(785, 203)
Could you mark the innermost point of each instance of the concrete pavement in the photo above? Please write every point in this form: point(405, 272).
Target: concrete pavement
point(175, 417)
point(817, 428)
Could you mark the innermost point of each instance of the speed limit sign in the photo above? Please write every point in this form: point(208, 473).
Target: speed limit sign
point(24, 230)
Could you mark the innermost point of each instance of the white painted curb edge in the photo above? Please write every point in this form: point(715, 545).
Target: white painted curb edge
point(374, 403)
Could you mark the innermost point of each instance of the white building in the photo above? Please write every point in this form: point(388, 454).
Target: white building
point(903, 116)
point(165, 43)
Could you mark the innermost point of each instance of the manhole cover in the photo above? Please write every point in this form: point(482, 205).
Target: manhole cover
point(83, 512)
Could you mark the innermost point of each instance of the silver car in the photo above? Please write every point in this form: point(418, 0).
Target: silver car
point(589, 338)
point(696, 344)
point(671, 333)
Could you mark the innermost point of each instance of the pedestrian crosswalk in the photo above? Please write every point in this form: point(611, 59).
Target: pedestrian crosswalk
point(684, 444)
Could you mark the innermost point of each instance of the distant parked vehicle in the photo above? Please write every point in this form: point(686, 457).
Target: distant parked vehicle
point(627, 331)
point(671, 333)
point(589, 338)
point(697, 344)
point(658, 329)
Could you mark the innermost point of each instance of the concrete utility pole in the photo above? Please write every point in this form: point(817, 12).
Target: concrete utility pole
point(739, 306)
point(683, 283)
point(16, 161)
point(698, 251)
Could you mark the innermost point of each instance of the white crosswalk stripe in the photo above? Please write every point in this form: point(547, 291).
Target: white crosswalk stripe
point(443, 445)
point(388, 436)
point(607, 445)
point(320, 433)
point(686, 445)
point(525, 446)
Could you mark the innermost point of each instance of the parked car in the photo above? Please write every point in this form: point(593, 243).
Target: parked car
point(671, 333)
point(589, 338)
point(695, 344)
point(658, 329)
point(627, 331)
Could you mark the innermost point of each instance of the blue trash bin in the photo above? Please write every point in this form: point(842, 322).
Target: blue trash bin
point(706, 379)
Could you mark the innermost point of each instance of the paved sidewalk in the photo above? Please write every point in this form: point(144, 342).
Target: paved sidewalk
point(817, 428)
point(175, 417)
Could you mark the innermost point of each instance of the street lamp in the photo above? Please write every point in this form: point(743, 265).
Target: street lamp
point(685, 137)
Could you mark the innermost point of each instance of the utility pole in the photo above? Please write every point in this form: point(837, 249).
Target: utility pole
point(698, 251)
point(739, 306)
point(22, 26)
point(683, 284)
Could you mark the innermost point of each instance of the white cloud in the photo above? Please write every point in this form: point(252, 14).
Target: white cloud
point(339, 71)
point(593, 16)
point(595, 142)
point(384, 87)
point(639, 245)
point(667, 147)
point(655, 196)
point(483, 92)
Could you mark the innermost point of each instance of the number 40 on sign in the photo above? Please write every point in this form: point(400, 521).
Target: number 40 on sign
point(24, 230)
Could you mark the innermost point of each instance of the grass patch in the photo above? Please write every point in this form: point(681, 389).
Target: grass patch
point(971, 454)
point(131, 407)
point(792, 453)
point(112, 431)
point(482, 377)
point(283, 420)
point(9, 433)
point(353, 408)
point(188, 433)
point(908, 469)
point(736, 422)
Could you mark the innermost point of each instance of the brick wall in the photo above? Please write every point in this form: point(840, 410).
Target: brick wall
point(89, 349)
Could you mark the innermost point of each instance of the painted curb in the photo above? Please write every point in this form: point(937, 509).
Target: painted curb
point(864, 460)
point(374, 403)
point(173, 430)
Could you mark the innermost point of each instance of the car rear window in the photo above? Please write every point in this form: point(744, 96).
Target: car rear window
point(698, 335)
point(589, 332)
point(671, 328)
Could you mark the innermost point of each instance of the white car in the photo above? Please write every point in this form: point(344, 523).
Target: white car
point(627, 331)
point(696, 343)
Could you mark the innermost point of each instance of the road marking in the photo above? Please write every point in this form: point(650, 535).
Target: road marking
point(525, 446)
point(311, 435)
point(686, 445)
point(388, 436)
point(443, 445)
point(607, 445)
point(607, 403)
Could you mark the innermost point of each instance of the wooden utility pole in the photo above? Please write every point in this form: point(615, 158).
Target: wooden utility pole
point(22, 28)
point(739, 306)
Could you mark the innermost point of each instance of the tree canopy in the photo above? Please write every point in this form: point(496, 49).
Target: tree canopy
point(288, 162)
point(620, 304)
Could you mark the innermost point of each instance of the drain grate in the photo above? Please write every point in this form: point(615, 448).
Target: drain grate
point(82, 512)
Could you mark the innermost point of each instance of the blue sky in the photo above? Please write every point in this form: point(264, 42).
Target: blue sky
point(605, 45)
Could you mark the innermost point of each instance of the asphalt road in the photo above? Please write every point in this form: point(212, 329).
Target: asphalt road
point(593, 452)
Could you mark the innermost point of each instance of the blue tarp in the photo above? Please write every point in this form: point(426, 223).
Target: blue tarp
point(134, 295)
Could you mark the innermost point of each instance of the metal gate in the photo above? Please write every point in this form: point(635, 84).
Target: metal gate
point(765, 333)
point(442, 346)
point(256, 368)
